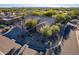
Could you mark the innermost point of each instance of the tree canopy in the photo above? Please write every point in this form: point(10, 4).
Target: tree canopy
point(62, 18)
point(74, 13)
point(31, 23)
point(48, 30)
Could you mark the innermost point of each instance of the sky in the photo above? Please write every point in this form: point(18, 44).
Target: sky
point(37, 5)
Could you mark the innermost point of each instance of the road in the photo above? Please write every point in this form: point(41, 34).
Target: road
point(71, 46)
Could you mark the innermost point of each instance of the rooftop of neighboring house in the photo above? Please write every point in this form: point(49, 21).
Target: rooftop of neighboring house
point(7, 46)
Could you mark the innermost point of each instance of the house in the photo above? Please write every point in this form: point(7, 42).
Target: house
point(6, 44)
point(10, 47)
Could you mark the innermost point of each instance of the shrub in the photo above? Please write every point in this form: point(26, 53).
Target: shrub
point(59, 24)
point(2, 26)
point(37, 13)
point(55, 29)
point(48, 30)
point(45, 30)
point(62, 18)
point(59, 18)
point(49, 13)
point(30, 23)
point(6, 28)
point(74, 13)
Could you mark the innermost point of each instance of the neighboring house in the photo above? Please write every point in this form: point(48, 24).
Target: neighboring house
point(10, 47)
point(6, 44)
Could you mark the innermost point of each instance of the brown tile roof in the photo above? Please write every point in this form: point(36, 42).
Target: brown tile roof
point(6, 44)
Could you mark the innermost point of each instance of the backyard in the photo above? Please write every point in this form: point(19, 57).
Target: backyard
point(43, 30)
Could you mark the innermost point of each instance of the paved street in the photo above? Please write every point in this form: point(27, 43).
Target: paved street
point(71, 46)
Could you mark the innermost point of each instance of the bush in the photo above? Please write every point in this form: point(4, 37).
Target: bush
point(30, 23)
point(6, 28)
point(59, 24)
point(62, 18)
point(68, 18)
point(37, 13)
point(48, 30)
point(74, 14)
point(49, 13)
point(55, 29)
point(2, 26)
point(45, 30)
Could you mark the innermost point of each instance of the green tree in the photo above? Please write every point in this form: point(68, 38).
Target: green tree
point(37, 13)
point(59, 24)
point(55, 29)
point(45, 30)
point(2, 26)
point(62, 18)
point(49, 13)
point(48, 30)
point(74, 13)
point(30, 23)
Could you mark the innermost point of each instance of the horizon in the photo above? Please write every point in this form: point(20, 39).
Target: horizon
point(38, 5)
